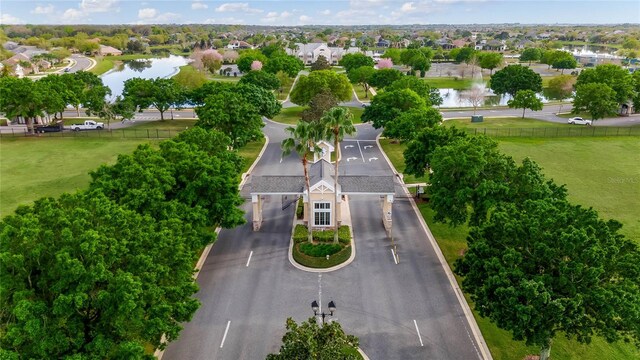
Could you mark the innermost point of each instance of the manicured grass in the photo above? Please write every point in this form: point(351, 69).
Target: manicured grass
point(292, 115)
point(286, 88)
point(102, 66)
point(511, 122)
point(448, 83)
point(321, 262)
point(218, 77)
point(395, 154)
point(32, 168)
point(134, 56)
point(250, 152)
point(165, 124)
point(599, 172)
point(568, 115)
point(361, 94)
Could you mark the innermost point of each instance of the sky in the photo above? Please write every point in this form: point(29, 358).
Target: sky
point(308, 12)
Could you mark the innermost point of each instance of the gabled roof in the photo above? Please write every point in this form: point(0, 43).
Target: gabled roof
point(319, 171)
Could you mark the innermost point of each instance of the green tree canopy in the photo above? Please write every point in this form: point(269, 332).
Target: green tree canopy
point(540, 268)
point(409, 124)
point(387, 106)
point(361, 75)
point(384, 77)
point(312, 341)
point(319, 104)
point(525, 99)
point(420, 87)
point(614, 76)
point(597, 99)
point(354, 61)
point(393, 54)
point(561, 87)
point(159, 93)
point(21, 97)
point(321, 63)
point(290, 65)
point(491, 60)
point(417, 155)
point(262, 79)
point(247, 57)
point(308, 86)
point(564, 60)
point(513, 78)
point(531, 54)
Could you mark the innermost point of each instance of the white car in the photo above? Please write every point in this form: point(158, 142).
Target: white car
point(579, 121)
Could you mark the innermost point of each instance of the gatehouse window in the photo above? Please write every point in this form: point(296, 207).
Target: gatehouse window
point(321, 213)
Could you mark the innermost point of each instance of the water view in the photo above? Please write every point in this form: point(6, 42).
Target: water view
point(143, 68)
point(480, 91)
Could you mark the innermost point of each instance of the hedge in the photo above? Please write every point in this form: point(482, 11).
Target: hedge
point(319, 250)
point(300, 234)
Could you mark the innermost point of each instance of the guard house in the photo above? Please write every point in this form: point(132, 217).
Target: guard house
point(322, 192)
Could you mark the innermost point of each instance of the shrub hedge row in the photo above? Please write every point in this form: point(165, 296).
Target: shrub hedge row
point(300, 234)
point(319, 250)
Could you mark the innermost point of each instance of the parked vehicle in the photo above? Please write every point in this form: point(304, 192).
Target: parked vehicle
point(56, 127)
point(579, 121)
point(87, 125)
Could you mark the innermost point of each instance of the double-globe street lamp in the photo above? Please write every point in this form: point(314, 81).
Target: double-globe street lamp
point(318, 312)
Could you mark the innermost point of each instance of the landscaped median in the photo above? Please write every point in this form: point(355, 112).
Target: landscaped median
point(323, 253)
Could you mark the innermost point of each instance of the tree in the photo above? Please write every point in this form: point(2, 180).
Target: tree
point(409, 124)
point(543, 267)
point(464, 55)
point(525, 99)
point(531, 54)
point(337, 122)
point(560, 88)
point(319, 104)
point(303, 139)
point(384, 77)
point(491, 60)
point(597, 99)
point(20, 97)
point(564, 60)
point(387, 106)
point(159, 93)
point(311, 341)
point(135, 46)
point(419, 151)
point(636, 90)
point(475, 96)
point(93, 91)
point(393, 54)
point(354, 61)
point(361, 76)
point(247, 57)
point(211, 60)
point(77, 274)
point(513, 78)
point(262, 99)
point(190, 79)
point(291, 65)
point(614, 76)
point(230, 113)
point(321, 63)
point(431, 95)
point(262, 79)
point(308, 86)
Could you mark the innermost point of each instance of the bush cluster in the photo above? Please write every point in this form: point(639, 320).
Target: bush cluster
point(319, 250)
point(300, 235)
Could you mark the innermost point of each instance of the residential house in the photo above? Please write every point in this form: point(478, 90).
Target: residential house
point(310, 52)
point(495, 45)
point(239, 44)
point(445, 44)
point(523, 44)
point(104, 50)
point(459, 43)
point(383, 43)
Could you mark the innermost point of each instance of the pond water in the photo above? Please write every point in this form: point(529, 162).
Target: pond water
point(462, 98)
point(143, 68)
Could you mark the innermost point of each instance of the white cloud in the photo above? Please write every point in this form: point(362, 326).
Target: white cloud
point(274, 16)
point(43, 10)
point(325, 12)
point(237, 7)
point(408, 7)
point(304, 19)
point(97, 6)
point(147, 13)
point(71, 15)
point(8, 19)
point(199, 6)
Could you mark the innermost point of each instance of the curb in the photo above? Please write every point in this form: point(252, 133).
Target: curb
point(245, 176)
point(484, 351)
point(314, 270)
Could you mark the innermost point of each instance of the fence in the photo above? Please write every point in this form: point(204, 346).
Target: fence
point(568, 131)
point(115, 134)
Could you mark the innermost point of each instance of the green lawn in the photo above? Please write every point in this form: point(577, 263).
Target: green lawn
point(286, 88)
point(599, 172)
point(509, 122)
point(448, 83)
point(165, 124)
point(102, 66)
point(291, 115)
point(360, 93)
point(395, 153)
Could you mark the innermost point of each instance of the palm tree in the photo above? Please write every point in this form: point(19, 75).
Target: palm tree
point(303, 140)
point(337, 122)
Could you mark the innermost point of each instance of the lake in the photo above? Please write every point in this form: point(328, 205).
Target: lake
point(456, 98)
point(144, 68)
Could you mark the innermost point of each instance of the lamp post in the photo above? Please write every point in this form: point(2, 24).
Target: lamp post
point(318, 312)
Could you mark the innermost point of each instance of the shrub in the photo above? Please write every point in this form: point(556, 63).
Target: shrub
point(319, 250)
point(300, 235)
point(300, 209)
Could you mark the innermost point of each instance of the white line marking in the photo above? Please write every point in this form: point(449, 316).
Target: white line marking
point(352, 158)
point(373, 158)
point(361, 154)
point(348, 146)
point(367, 146)
point(418, 330)
point(249, 259)
point(393, 253)
point(227, 330)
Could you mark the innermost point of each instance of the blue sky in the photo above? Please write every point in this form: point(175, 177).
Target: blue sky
point(301, 12)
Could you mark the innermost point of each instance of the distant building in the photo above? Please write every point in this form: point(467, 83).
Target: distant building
point(310, 52)
point(108, 51)
point(239, 44)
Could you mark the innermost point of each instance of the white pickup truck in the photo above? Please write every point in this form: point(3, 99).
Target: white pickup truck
point(87, 125)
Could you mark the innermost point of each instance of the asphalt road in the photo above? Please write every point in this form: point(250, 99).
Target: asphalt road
point(82, 63)
point(248, 287)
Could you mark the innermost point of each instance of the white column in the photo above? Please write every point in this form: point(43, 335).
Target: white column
point(256, 200)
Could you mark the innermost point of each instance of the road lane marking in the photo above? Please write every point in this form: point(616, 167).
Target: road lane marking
point(352, 158)
point(249, 259)
point(368, 146)
point(372, 158)
point(417, 330)
point(395, 259)
point(348, 146)
point(361, 154)
point(224, 337)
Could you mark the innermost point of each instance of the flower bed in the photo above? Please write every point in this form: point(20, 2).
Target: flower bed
point(314, 255)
